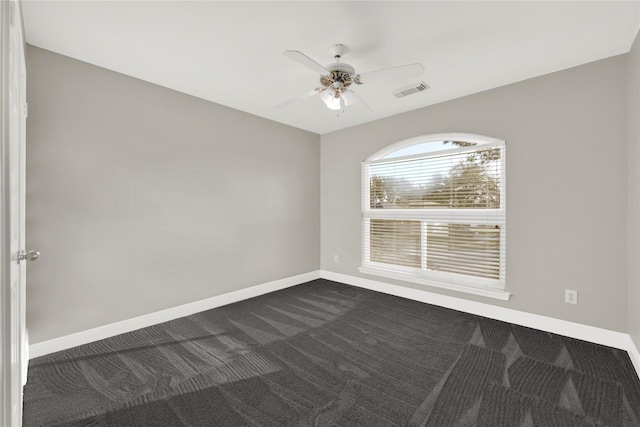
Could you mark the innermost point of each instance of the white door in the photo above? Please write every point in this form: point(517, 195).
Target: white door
point(13, 324)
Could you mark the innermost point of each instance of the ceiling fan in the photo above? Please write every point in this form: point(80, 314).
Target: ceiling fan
point(336, 78)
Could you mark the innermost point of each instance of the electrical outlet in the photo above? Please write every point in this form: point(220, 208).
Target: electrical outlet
point(336, 259)
point(570, 296)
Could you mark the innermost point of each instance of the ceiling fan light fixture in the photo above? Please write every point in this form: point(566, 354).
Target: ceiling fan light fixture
point(349, 97)
point(331, 98)
point(327, 94)
point(334, 103)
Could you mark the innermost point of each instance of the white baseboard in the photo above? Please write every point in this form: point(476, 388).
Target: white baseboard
point(129, 325)
point(634, 355)
point(548, 324)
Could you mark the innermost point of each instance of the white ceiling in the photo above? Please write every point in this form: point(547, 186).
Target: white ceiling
point(231, 52)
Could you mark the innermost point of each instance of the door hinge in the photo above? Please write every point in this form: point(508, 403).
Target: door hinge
point(26, 110)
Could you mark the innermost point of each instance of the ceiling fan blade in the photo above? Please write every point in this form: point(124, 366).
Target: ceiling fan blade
point(306, 61)
point(402, 72)
point(299, 97)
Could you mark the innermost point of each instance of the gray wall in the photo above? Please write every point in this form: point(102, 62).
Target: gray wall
point(566, 137)
point(141, 198)
point(634, 191)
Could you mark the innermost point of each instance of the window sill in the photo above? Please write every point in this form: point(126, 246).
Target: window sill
point(485, 292)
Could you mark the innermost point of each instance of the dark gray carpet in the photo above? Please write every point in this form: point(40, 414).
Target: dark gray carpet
point(328, 354)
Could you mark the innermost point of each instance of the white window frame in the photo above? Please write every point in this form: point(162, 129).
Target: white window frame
point(486, 287)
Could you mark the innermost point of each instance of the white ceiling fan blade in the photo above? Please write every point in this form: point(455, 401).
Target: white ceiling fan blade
point(299, 97)
point(306, 61)
point(402, 72)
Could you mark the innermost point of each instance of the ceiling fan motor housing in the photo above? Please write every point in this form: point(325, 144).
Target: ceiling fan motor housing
point(340, 72)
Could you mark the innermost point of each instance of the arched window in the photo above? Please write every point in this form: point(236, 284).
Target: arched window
point(433, 211)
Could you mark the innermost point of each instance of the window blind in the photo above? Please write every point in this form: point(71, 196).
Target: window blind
point(438, 215)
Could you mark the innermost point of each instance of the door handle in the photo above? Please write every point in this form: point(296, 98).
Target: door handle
point(28, 256)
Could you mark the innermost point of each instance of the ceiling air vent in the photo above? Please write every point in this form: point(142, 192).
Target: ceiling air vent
point(415, 88)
